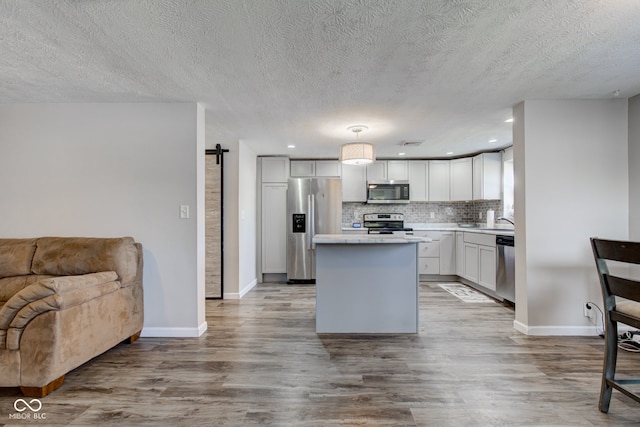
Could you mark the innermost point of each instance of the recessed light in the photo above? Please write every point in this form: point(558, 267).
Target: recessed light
point(401, 154)
point(509, 120)
point(493, 140)
point(449, 153)
point(291, 146)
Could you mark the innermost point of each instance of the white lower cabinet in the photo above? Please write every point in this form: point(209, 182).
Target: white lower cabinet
point(429, 257)
point(487, 267)
point(428, 252)
point(447, 253)
point(471, 262)
point(471, 256)
point(460, 253)
point(479, 258)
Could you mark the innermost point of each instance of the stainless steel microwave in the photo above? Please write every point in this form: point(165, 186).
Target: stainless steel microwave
point(388, 192)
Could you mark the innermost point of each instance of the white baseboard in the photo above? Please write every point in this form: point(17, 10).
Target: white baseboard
point(581, 331)
point(243, 291)
point(174, 332)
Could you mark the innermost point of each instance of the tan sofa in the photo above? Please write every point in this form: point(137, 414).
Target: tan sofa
point(63, 301)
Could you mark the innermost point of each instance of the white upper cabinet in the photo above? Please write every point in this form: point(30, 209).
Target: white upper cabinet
point(328, 168)
point(354, 183)
point(377, 171)
point(439, 179)
point(419, 180)
point(397, 170)
point(319, 168)
point(274, 169)
point(387, 170)
point(487, 176)
point(462, 179)
point(303, 168)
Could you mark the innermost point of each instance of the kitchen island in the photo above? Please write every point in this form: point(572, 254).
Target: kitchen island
point(367, 283)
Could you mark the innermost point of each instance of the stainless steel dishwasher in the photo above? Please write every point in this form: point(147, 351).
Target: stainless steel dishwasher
point(505, 274)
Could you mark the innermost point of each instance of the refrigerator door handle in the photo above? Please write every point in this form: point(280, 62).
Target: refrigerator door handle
point(312, 220)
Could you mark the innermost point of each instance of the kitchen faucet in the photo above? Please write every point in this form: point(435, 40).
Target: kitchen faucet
point(506, 219)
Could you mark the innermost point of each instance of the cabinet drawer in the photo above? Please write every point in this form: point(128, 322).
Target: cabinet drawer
point(429, 265)
point(433, 235)
point(480, 238)
point(429, 249)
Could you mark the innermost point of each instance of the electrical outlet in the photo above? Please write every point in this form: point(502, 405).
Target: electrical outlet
point(432, 215)
point(480, 215)
point(587, 310)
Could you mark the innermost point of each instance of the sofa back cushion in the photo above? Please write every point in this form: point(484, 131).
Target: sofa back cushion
point(16, 256)
point(70, 256)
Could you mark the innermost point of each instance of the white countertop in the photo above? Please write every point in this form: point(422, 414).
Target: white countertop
point(359, 239)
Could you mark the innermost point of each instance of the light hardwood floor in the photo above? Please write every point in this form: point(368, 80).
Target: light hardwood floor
point(261, 362)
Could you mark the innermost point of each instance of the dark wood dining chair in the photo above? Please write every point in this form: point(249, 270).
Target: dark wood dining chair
point(621, 296)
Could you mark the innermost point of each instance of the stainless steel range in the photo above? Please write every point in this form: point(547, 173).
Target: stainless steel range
point(386, 223)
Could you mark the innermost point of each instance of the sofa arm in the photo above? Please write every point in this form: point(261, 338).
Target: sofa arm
point(54, 293)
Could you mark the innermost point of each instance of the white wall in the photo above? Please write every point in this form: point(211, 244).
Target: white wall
point(634, 168)
point(248, 219)
point(572, 182)
point(113, 170)
point(240, 231)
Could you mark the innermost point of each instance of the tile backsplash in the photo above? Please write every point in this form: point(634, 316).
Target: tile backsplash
point(420, 212)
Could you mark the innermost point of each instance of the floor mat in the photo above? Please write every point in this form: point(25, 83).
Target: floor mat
point(465, 293)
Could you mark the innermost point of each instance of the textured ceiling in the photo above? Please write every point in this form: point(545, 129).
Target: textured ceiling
point(279, 72)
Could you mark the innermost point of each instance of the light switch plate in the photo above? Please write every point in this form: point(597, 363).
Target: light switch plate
point(184, 211)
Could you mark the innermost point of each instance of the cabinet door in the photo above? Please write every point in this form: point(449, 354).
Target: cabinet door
point(275, 169)
point(447, 254)
point(418, 181)
point(328, 168)
point(274, 228)
point(377, 171)
point(471, 262)
point(302, 168)
point(354, 183)
point(460, 254)
point(487, 267)
point(487, 176)
point(439, 178)
point(397, 170)
point(462, 179)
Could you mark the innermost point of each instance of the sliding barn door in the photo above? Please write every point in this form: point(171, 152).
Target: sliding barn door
point(213, 226)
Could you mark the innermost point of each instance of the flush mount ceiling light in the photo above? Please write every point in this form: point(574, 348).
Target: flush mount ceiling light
point(357, 153)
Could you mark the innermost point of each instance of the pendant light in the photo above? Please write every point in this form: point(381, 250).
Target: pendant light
point(357, 153)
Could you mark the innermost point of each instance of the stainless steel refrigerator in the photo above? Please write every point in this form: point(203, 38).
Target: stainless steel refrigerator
point(314, 206)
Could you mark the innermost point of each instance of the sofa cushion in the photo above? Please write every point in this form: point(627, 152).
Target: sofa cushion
point(9, 286)
point(16, 256)
point(70, 256)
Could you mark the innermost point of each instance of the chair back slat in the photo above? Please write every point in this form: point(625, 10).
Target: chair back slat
point(616, 250)
point(625, 288)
